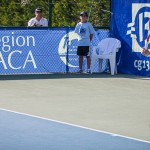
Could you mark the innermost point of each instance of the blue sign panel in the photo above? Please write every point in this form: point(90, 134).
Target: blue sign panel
point(131, 25)
point(40, 50)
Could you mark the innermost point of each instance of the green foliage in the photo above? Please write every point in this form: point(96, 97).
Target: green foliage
point(64, 12)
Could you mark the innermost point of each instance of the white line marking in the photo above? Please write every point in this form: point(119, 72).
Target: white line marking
point(74, 125)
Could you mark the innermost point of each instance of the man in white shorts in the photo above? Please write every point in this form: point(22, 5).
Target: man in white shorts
point(38, 20)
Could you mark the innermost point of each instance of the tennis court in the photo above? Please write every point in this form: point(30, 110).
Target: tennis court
point(71, 111)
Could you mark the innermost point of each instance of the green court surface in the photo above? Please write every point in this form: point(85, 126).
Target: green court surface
point(117, 104)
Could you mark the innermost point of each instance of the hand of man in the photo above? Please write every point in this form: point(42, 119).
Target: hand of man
point(145, 52)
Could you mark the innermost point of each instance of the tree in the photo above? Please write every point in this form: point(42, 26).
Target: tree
point(64, 12)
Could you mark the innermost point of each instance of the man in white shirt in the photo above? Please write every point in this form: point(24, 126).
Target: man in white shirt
point(85, 32)
point(38, 20)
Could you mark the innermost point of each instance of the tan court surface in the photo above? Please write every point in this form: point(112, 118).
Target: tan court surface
point(118, 104)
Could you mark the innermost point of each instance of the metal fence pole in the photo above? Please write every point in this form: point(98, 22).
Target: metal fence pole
point(90, 10)
point(49, 13)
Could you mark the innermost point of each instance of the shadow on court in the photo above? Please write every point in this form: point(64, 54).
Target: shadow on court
point(68, 75)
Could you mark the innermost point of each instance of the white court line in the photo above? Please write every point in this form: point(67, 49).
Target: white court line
point(74, 125)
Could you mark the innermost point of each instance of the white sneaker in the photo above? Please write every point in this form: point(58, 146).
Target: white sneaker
point(88, 71)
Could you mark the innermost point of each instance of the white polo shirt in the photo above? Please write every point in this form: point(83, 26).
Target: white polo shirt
point(43, 22)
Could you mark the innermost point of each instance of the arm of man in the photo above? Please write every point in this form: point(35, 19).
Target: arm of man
point(31, 23)
point(145, 52)
point(91, 37)
point(45, 23)
point(92, 31)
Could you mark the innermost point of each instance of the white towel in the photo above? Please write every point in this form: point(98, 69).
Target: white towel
point(109, 45)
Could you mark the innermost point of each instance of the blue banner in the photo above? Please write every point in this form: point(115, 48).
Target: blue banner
point(40, 50)
point(130, 23)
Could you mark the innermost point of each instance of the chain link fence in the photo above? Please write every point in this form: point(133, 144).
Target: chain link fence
point(42, 50)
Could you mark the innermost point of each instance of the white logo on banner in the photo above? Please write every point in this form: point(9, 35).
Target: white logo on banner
point(139, 28)
point(7, 45)
point(64, 45)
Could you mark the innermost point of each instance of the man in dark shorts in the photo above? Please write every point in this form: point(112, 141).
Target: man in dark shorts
point(85, 32)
